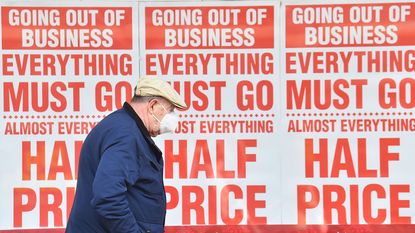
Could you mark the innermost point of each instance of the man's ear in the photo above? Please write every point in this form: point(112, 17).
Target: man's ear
point(151, 104)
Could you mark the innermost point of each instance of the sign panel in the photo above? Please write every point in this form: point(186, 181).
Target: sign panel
point(222, 58)
point(64, 67)
point(348, 106)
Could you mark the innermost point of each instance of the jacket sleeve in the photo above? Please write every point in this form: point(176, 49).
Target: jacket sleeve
point(118, 169)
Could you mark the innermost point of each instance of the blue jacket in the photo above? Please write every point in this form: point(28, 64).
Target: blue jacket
point(120, 181)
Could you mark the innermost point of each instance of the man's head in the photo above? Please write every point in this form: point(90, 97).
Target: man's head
point(154, 101)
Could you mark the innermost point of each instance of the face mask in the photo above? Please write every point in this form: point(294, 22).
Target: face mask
point(169, 122)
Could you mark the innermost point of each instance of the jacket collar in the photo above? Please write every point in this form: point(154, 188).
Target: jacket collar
point(127, 107)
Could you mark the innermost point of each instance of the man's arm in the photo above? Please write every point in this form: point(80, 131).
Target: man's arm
point(117, 170)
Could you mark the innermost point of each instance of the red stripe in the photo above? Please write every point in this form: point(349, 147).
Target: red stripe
point(264, 229)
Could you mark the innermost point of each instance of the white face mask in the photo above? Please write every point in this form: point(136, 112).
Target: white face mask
point(169, 122)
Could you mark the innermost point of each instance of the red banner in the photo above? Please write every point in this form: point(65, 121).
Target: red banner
point(350, 25)
point(66, 28)
point(209, 27)
point(264, 229)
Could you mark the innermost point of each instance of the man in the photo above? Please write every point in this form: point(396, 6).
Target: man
point(120, 180)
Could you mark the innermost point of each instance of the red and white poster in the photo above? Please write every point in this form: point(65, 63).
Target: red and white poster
point(300, 114)
point(348, 100)
point(222, 58)
point(63, 68)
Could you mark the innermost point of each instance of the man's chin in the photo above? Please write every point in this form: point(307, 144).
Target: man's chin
point(155, 134)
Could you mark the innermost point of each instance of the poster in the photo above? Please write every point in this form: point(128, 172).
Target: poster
point(348, 107)
point(222, 58)
point(64, 68)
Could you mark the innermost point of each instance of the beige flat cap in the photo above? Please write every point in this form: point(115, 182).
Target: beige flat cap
point(154, 86)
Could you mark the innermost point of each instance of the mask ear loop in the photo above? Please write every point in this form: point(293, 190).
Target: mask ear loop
point(154, 116)
point(167, 112)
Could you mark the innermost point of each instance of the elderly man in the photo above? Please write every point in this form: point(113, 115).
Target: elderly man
point(120, 181)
